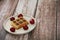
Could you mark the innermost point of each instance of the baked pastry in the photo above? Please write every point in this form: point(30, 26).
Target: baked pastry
point(19, 23)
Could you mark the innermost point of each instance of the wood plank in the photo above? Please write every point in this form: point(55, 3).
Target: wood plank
point(6, 10)
point(58, 19)
point(24, 6)
point(46, 21)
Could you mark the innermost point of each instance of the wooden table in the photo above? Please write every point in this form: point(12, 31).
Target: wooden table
point(48, 18)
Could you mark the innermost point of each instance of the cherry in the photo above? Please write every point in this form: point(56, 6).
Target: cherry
point(12, 29)
point(12, 18)
point(20, 15)
point(32, 21)
point(25, 27)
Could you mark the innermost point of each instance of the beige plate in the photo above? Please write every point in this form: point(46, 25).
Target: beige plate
point(7, 25)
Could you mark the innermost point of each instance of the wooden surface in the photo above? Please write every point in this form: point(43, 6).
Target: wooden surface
point(58, 19)
point(43, 10)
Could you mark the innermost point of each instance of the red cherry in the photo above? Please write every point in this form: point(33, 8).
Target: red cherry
point(12, 29)
point(20, 15)
point(32, 21)
point(12, 18)
point(25, 27)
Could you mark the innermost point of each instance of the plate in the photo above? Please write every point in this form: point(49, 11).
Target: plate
point(7, 25)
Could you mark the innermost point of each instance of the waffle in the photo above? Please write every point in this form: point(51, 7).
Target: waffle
point(19, 23)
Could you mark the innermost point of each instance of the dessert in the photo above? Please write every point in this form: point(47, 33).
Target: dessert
point(19, 22)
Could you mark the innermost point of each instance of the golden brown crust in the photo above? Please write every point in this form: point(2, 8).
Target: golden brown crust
point(19, 23)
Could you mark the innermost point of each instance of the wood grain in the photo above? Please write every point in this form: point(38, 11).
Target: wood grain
point(43, 10)
point(6, 10)
point(46, 18)
point(58, 19)
point(24, 6)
